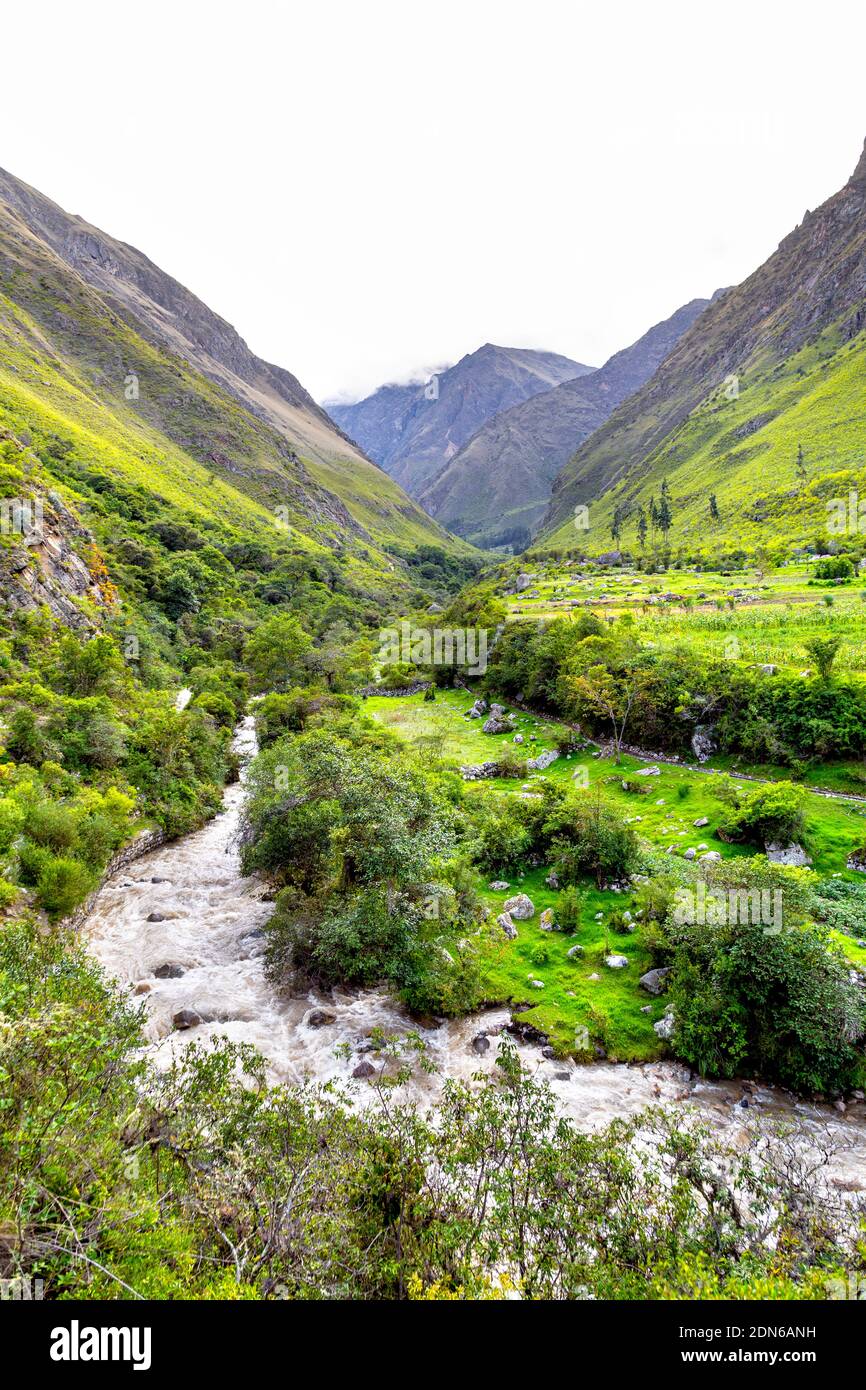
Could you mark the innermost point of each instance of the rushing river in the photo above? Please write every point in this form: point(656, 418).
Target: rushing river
point(184, 930)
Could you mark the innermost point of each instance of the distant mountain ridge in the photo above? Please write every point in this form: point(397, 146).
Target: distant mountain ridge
point(413, 430)
point(497, 487)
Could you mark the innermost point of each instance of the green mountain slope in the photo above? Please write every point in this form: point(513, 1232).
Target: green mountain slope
point(759, 407)
point(95, 339)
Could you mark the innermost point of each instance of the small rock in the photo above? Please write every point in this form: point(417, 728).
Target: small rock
point(363, 1070)
point(543, 760)
point(545, 921)
point(504, 921)
point(574, 951)
point(700, 822)
point(664, 1029)
point(499, 886)
point(480, 1044)
point(655, 981)
point(156, 917)
point(616, 962)
point(792, 855)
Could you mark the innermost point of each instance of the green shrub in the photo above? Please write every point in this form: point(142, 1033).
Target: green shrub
point(63, 884)
point(774, 812)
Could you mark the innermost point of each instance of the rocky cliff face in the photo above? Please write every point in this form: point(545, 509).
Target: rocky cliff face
point(44, 559)
point(413, 430)
point(498, 484)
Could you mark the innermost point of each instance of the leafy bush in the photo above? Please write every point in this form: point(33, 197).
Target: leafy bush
point(773, 812)
point(63, 884)
point(834, 567)
point(776, 1004)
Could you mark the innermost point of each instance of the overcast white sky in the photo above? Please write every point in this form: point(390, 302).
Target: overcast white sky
point(364, 188)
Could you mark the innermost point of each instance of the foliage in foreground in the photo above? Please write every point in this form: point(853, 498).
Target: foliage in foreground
point(202, 1182)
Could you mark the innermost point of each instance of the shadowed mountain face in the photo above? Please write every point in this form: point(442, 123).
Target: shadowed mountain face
point(413, 430)
point(95, 311)
point(771, 374)
point(496, 489)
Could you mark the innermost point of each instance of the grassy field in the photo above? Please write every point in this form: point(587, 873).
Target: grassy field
point(747, 615)
point(583, 993)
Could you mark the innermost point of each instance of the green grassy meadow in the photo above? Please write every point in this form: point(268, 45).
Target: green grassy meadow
point(583, 992)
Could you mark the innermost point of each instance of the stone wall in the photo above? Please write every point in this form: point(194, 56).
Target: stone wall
point(141, 844)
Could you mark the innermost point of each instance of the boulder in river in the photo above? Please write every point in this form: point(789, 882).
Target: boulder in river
point(170, 970)
point(480, 1044)
point(156, 917)
point(186, 1018)
point(364, 1070)
point(319, 1018)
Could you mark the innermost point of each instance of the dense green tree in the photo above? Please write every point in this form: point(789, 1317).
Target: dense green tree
point(275, 652)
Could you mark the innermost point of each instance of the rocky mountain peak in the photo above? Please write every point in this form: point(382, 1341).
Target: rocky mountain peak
point(859, 175)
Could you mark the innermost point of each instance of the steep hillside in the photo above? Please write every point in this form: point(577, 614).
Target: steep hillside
point(413, 430)
point(496, 488)
point(755, 421)
point(89, 325)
